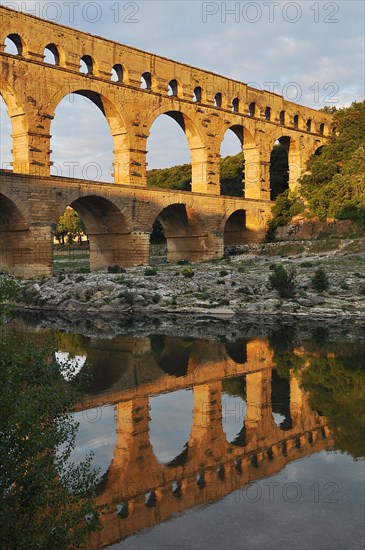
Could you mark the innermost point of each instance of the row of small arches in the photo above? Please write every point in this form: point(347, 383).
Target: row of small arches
point(52, 56)
point(123, 508)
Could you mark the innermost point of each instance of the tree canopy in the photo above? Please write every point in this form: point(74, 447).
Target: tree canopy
point(334, 185)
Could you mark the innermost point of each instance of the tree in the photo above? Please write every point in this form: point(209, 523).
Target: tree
point(320, 280)
point(44, 499)
point(334, 185)
point(283, 281)
point(70, 225)
point(337, 387)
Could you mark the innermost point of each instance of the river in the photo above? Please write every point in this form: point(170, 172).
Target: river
point(244, 438)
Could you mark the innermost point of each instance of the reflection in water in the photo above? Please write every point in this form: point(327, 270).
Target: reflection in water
point(178, 422)
point(170, 424)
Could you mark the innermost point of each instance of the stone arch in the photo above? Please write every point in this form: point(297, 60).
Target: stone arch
point(171, 450)
point(19, 43)
point(280, 401)
point(235, 105)
point(294, 159)
point(119, 129)
point(20, 127)
point(251, 178)
point(108, 229)
point(14, 234)
point(173, 88)
point(171, 354)
point(240, 227)
point(218, 99)
point(89, 64)
point(117, 73)
point(55, 51)
point(197, 146)
point(186, 233)
point(146, 81)
point(197, 94)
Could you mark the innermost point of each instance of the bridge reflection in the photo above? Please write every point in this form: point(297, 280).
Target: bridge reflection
point(138, 489)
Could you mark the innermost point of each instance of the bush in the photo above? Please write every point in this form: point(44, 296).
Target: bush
point(116, 269)
point(320, 280)
point(223, 272)
point(187, 272)
point(150, 271)
point(283, 282)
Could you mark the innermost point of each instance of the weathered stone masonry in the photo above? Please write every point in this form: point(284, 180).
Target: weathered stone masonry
point(32, 89)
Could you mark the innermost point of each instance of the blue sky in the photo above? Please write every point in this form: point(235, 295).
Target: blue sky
point(313, 50)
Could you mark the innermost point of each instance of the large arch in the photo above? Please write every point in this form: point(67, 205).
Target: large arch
point(198, 150)
point(15, 236)
point(119, 129)
point(108, 229)
point(294, 159)
point(186, 234)
point(19, 125)
point(240, 227)
point(169, 433)
point(168, 147)
point(251, 184)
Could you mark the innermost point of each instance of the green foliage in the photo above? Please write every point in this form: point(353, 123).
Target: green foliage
point(320, 280)
point(232, 170)
point(116, 269)
point(187, 273)
point(9, 288)
point(177, 177)
point(287, 205)
point(282, 281)
point(44, 498)
point(70, 226)
point(279, 171)
point(334, 186)
point(150, 271)
point(337, 389)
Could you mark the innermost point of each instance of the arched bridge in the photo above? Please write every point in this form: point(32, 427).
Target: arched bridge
point(119, 216)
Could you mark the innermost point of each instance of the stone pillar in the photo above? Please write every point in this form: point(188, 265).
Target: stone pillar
point(207, 437)
point(31, 153)
point(125, 250)
point(296, 398)
point(27, 252)
point(258, 396)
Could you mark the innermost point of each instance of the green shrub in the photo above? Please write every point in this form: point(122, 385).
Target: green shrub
point(150, 271)
point(223, 272)
point(283, 281)
point(320, 280)
point(116, 269)
point(156, 298)
point(187, 272)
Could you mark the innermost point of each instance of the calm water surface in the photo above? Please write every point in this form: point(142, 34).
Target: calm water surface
point(245, 443)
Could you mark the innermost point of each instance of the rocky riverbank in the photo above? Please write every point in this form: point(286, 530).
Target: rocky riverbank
point(236, 286)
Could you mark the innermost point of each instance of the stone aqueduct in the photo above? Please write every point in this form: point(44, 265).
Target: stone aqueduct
point(119, 216)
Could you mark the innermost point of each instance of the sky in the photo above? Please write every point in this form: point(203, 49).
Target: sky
point(311, 52)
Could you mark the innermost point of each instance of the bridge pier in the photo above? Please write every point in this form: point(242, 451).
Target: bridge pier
point(26, 252)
